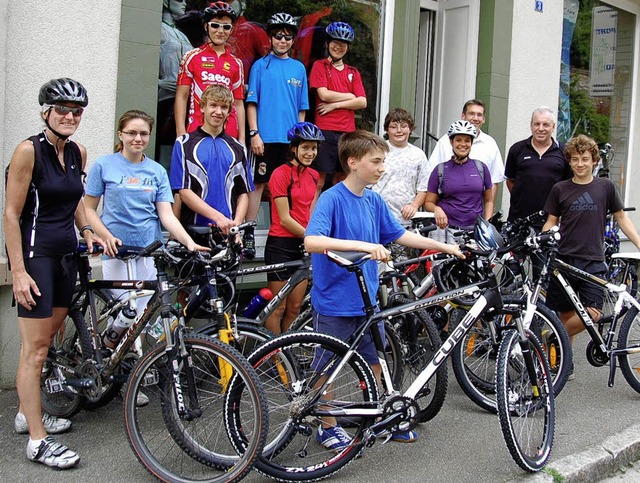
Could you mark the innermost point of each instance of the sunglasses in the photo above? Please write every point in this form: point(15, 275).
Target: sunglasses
point(216, 26)
point(64, 110)
point(288, 38)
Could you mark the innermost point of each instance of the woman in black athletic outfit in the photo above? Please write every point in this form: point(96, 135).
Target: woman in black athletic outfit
point(44, 201)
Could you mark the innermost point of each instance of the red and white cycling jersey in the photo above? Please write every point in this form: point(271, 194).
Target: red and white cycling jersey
point(203, 67)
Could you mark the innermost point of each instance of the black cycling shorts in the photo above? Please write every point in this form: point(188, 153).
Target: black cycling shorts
point(56, 279)
point(282, 249)
point(327, 160)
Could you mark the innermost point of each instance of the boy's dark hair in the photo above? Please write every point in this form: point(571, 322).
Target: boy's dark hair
point(399, 115)
point(474, 102)
point(358, 144)
point(582, 144)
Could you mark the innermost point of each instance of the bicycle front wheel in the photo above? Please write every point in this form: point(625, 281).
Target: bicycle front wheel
point(181, 435)
point(292, 378)
point(526, 406)
point(629, 338)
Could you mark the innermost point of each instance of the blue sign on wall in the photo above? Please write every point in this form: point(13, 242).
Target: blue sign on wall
point(539, 6)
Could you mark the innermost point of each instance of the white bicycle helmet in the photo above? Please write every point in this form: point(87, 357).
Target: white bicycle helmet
point(462, 127)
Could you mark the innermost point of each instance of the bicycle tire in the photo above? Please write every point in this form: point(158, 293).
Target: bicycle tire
point(71, 347)
point(284, 367)
point(250, 335)
point(474, 358)
point(177, 448)
point(629, 336)
point(419, 340)
point(527, 422)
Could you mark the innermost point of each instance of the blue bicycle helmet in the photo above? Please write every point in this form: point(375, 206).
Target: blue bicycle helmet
point(63, 90)
point(305, 131)
point(341, 31)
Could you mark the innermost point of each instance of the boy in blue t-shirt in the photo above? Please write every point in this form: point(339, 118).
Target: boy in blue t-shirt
point(350, 217)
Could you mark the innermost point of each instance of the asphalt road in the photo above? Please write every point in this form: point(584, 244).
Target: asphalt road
point(462, 444)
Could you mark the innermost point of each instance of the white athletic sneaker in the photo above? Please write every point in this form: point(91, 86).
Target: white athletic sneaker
point(52, 424)
point(53, 454)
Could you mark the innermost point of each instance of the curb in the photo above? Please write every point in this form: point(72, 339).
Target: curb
point(594, 464)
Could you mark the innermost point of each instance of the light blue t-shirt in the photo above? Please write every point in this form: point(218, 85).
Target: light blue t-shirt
point(341, 214)
point(130, 191)
point(279, 88)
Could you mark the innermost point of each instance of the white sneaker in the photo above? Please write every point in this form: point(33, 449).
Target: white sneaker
point(52, 425)
point(142, 399)
point(53, 454)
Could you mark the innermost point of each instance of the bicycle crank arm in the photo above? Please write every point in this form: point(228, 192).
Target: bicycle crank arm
point(83, 383)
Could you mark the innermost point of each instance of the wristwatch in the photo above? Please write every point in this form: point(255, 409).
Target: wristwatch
point(253, 132)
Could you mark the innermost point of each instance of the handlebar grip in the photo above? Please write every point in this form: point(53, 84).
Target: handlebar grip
point(149, 249)
point(425, 230)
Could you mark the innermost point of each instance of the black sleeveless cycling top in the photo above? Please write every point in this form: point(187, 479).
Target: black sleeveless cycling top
point(47, 220)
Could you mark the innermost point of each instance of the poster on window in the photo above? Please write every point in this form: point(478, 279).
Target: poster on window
point(603, 51)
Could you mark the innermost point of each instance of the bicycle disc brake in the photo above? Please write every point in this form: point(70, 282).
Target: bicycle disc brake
point(595, 356)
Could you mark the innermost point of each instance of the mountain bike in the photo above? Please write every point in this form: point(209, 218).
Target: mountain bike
point(302, 388)
point(185, 378)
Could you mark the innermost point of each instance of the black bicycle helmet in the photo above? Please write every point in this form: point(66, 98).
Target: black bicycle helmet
point(305, 131)
point(341, 31)
point(63, 90)
point(217, 9)
point(282, 20)
point(486, 235)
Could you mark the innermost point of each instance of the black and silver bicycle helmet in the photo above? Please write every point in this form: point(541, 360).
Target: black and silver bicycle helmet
point(341, 31)
point(305, 131)
point(282, 20)
point(63, 90)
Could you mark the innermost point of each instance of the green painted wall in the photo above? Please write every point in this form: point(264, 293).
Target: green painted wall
point(138, 58)
point(492, 80)
point(404, 56)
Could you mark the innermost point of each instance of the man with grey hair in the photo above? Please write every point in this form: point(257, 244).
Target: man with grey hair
point(534, 165)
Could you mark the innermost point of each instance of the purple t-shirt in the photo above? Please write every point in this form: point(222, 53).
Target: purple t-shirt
point(462, 191)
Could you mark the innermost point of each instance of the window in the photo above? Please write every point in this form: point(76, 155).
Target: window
point(595, 84)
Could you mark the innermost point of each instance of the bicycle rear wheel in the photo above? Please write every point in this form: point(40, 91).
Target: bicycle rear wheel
point(526, 407)
point(70, 348)
point(191, 443)
point(291, 379)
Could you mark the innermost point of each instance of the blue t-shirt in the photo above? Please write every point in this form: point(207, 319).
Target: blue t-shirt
point(279, 88)
point(131, 191)
point(341, 214)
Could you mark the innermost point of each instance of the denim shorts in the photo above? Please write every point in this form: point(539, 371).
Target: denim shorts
point(342, 328)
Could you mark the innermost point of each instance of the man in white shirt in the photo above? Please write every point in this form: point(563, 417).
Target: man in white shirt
point(484, 147)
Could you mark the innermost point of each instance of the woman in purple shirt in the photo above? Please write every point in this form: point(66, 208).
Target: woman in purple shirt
point(459, 190)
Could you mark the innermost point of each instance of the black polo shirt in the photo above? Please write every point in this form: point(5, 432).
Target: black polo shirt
point(533, 175)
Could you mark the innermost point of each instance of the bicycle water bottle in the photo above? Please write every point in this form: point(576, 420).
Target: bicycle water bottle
point(119, 326)
point(257, 303)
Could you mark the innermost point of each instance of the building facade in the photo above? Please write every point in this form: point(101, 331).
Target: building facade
point(577, 56)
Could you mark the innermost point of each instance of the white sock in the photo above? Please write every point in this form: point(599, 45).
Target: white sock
point(34, 443)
